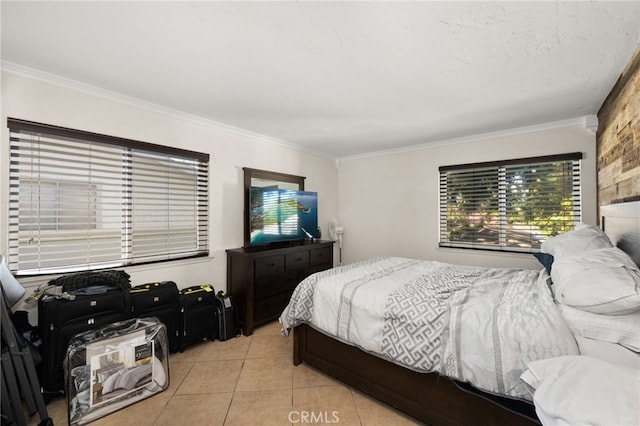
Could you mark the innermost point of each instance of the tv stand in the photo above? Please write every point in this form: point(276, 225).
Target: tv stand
point(261, 279)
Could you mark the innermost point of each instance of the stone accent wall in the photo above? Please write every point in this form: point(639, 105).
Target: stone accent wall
point(618, 139)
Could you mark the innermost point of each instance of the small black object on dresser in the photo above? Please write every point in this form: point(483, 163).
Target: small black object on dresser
point(199, 319)
point(160, 300)
point(262, 279)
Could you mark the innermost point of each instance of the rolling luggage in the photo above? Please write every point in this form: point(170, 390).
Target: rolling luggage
point(160, 300)
point(198, 315)
point(228, 322)
point(59, 319)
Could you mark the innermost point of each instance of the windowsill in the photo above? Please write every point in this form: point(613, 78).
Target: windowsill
point(169, 263)
point(32, 282)
point(526, 251)
point(484, 251)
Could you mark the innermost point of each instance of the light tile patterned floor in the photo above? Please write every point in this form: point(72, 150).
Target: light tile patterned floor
point(247, 381)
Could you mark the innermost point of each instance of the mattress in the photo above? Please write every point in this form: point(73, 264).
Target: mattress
point(473, 324)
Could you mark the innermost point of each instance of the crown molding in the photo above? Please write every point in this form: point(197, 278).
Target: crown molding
point(67, 83)
point(588, 122)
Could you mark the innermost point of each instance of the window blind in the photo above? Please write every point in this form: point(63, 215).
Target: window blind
point(512, 205)
point(81, 200)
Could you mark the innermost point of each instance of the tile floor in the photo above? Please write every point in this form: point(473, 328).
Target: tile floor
point(247, 381)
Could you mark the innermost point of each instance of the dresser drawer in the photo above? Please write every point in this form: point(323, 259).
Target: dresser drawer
point(269, 265)
point(271, 307)
point(318, 268)
point(320, 256)
point(297, 260)
point(268, 286)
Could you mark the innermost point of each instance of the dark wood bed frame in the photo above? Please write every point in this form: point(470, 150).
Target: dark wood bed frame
point(431, 398)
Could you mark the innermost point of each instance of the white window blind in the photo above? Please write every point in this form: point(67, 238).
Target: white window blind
point(512, 205)
point(81, 200)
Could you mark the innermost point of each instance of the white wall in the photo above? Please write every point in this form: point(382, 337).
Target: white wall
point(388, 204)
point(32, 99)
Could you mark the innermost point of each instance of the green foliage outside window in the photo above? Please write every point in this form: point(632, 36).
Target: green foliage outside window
point(510, 206)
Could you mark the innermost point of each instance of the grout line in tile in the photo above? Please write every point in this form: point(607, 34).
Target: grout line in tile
point(235, 392)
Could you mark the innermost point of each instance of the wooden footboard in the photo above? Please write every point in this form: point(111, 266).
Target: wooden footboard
point(430, 398)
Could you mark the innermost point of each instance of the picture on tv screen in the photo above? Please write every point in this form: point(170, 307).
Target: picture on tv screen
point(282, 215)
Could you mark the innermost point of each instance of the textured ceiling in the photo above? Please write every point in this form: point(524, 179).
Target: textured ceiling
point(338, 78)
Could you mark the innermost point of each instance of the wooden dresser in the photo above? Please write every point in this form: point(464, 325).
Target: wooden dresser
point(261, 280)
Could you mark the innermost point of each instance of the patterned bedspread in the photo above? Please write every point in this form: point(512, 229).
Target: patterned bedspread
point(474, 324)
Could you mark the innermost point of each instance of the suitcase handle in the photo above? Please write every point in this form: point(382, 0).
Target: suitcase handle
point(197, 289)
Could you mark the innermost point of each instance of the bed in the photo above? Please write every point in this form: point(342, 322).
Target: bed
point(450, 376)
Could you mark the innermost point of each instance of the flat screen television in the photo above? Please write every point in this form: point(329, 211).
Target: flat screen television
point(281, 216)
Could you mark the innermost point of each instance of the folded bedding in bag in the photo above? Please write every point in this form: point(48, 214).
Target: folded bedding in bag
point(114, 366)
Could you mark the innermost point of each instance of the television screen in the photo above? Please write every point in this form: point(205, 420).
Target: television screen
point(282, 215)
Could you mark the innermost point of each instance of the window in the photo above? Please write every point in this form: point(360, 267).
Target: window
point(81, 200)
point(512, 205)
point(57, 200)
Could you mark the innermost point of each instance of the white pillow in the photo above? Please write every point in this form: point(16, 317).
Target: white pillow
point(604, 281)
point(584, 237)
point(580, 390)
point(610, 352)
point(621, 329)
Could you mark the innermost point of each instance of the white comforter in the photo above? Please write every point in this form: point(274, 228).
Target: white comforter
point(480, 325)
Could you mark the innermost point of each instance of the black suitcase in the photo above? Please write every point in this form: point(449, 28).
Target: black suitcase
point(198, 315)
point(60, 319)
point(228, 322)
point(160, 300)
